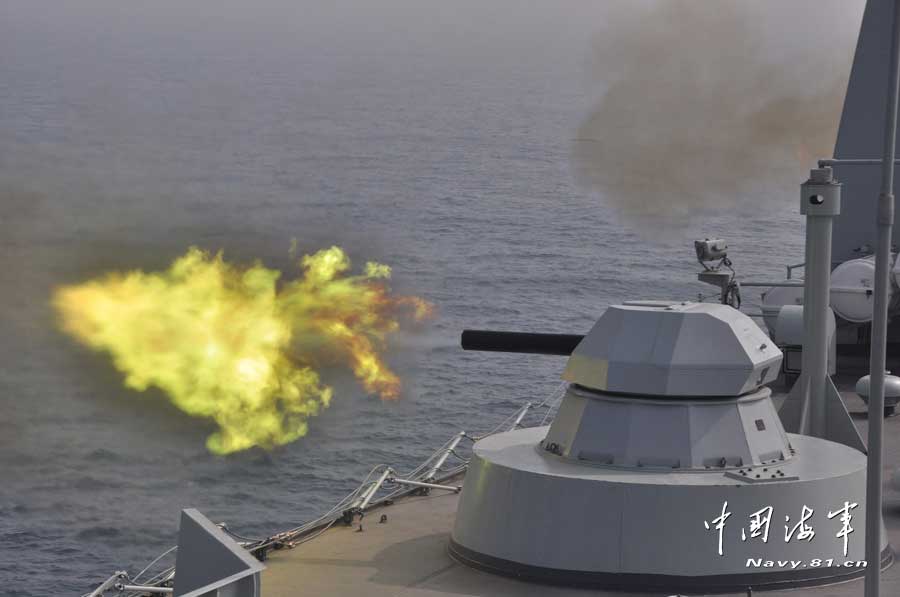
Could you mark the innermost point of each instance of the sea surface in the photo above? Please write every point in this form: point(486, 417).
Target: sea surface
point(434, 137)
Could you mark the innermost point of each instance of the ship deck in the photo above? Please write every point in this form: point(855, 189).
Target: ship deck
point(407, 554)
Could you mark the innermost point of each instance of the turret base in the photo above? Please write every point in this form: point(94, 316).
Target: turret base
point(532, 514)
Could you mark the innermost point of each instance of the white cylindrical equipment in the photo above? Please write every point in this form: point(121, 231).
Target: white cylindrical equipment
point(777, 297)
point(852, 285)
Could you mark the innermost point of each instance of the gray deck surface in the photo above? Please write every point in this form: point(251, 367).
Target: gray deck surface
point(407, 556)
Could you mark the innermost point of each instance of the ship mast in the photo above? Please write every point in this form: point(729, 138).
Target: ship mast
point(884, 221)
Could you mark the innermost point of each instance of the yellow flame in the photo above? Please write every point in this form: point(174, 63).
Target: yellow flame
point(229, 343)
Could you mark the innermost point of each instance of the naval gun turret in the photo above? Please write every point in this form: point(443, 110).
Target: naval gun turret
point(666, 467)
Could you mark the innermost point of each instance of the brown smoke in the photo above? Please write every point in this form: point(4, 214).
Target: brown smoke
point(713, 104)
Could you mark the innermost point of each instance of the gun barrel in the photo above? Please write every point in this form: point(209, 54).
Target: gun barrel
point(552, 344)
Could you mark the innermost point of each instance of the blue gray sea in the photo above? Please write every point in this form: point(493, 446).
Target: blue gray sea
point(434, 137)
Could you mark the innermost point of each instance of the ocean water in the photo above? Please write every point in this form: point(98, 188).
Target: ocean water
point(433, 137)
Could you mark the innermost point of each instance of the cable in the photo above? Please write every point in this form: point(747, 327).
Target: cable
point(298, 535)
point(150, 565)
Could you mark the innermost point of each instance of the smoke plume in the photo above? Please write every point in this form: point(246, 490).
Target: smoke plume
point(713, 104)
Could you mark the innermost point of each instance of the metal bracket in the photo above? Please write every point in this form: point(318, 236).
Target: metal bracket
point(839, 426)
point(452, 488)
